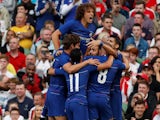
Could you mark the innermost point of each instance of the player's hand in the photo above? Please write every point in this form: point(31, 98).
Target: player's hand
point(59, 52)
point(46, 6)
point(93, 61)
point(75, 1)
point(50, 71)
point(94, 43)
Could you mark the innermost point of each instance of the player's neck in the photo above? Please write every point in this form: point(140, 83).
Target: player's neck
point(84, 23)
point(67, 51)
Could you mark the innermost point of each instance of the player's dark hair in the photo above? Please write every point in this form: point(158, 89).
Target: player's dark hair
point(75, 55)
point(117, 40)
point(82, 9)
point(70, 39)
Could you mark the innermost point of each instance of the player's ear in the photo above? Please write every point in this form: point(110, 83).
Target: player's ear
point(116, 46)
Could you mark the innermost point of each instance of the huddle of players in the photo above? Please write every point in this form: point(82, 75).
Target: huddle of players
point(88, 81)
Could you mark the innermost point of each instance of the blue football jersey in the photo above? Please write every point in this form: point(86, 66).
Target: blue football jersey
point(71, 14)
point(76, 27)
point(101, 81)
point(77, 82)
point(57, 82)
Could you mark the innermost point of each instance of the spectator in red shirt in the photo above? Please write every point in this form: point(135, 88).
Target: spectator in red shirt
point(141, 6)
point(31, 79)
point(16, 58)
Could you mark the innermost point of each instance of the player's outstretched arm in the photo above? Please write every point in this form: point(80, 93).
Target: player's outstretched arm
point(107, 48)
point(106, 64)
point(68, 67)
point(56, 39)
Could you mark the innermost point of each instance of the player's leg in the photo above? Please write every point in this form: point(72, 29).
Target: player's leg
point(116, 104)
point(80, 111)
point(92, 106)
point(105, 108)
point(51, 118)
point(60, 118)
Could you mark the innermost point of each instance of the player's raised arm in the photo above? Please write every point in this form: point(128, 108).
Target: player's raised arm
point(56, 39)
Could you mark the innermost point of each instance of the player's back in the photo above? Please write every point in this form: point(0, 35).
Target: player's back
point(57, 82)
point(100, 81)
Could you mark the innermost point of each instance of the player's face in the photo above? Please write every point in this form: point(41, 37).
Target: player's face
point(107, 23)
point(111, 41)
point(89, 15)
point(77, 46)
point(94, 51)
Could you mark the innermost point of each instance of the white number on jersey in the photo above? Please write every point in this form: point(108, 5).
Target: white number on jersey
point(74, 86)
point(102, 76)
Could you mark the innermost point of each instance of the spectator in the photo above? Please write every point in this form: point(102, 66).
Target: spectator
point(4, 60)
point(146, 34)
point(30, 6)
point(32, 81)
point(38, 101)
point(156, 21)
point(157, 116)
point(138, 114)
point(149, 98)
point(137, 41)
point(82, 26)
point(156, 38)
point(14, 113)
point(118, 19)
point(38, 112)
point(12, 89)
point(22, 8)
point(23, 31)
point(5, 48)
point(15, 57)
point(30, 58)
point(155, 83)
point(4, 18)
point(9, 4)
point(107, 23)
point(49, 25)
point(45, 10)
point(68, 8)
point(141, 6)
point(44, 61)
point(152, 52)
point(148, 23)
point(24, 103)
point(45, 39)
point(100, 9)
point(134, 65)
